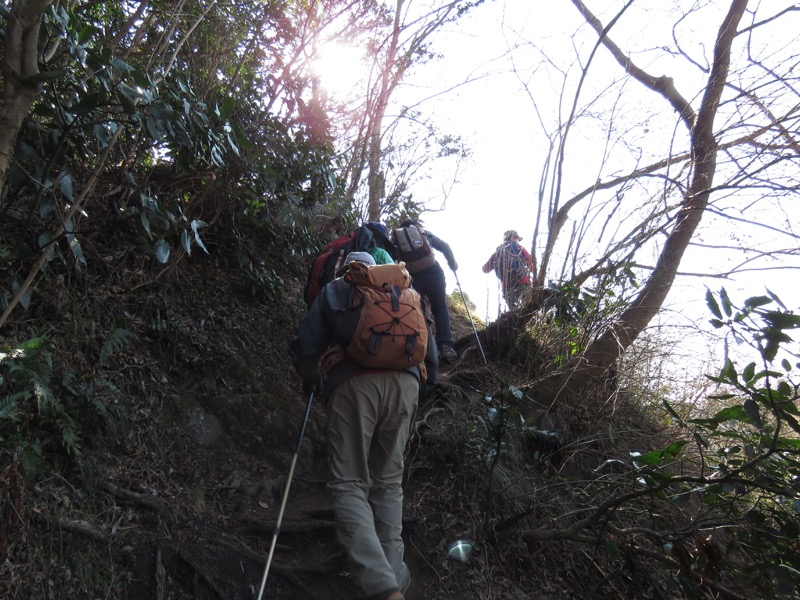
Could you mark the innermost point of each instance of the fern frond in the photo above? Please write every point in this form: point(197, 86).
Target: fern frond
point(45, 399)
point(71, 441)
point(115, 342)
point(31, 459)
point(9, 407)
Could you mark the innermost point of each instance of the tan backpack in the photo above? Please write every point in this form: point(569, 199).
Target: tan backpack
point(391, 332)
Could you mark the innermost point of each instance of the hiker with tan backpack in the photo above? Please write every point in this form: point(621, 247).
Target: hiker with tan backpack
point(363, 345)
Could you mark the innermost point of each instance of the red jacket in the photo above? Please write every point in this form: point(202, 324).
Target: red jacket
point(525, 279)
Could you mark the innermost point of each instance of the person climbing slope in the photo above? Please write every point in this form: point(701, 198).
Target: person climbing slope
point(414, 246)
point(512, 264)
point(371, 400)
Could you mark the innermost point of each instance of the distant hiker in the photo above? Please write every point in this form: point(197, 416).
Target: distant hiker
point(414, 245)
point(370, 411)
point(512, 264)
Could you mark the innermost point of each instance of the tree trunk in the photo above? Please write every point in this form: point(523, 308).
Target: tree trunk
point(20, 63)
point(390, 75)
point(617, 338)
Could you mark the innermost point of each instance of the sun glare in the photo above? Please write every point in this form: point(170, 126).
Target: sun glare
point(339, 68)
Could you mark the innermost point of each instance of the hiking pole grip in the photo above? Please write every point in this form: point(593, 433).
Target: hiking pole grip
point(471, 322)
point(286, 494)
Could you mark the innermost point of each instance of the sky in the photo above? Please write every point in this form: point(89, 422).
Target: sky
point(497, 190)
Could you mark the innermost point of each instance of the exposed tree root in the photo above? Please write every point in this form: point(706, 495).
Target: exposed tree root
point(79, 526)
point(144, 500)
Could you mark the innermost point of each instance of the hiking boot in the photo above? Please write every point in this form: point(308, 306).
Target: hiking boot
point(447, 353)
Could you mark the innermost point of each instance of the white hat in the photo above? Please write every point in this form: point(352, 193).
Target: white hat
point(362, 257)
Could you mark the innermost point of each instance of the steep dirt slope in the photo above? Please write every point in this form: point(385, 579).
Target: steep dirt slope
point(188, 425)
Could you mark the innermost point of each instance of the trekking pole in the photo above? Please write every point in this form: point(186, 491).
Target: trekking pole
point(286, 494)
point(471, 322)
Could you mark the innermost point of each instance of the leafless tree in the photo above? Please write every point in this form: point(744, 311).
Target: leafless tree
point(732, 147)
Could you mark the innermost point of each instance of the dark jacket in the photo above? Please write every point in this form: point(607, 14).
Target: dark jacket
point(443, 247)
point(316, 335)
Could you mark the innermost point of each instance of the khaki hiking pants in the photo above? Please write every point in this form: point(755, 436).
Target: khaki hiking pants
point(369, 421)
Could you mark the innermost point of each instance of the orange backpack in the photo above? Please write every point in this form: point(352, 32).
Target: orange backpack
point(391, 332)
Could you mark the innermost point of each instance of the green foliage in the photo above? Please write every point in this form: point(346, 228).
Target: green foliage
point(583, 311)
point(569, 303)
point(31, 411)
point(749, 477)
point(714, 503)
point(191, 141)
point(115, 342)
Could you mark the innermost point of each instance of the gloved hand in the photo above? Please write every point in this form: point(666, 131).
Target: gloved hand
point(311, 385)
point(454, 266)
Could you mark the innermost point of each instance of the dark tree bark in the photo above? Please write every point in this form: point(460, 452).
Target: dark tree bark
point(20, 64)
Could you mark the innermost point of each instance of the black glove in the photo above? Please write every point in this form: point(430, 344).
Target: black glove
point(454, 266)
point(311, 386)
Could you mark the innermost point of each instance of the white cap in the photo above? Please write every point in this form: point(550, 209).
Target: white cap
point(362, 257)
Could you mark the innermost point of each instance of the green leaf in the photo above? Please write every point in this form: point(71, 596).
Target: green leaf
point(242, 138)
point(115, 342)
point(748, 372)
point(145, 222)
point(227, 108)
point(652, 458)
point(767, 373)
point(728, 372)
point(672, 411)
point(161, 251)
point(777, 300)
point(787, 366)
point(791, 443)
point(86, 104)
point(782, 320)
point(726, 302)
point(140, 78)
point(75, 246)
point(774, 340)
point(731, 413)
point(46, 206)
point(128, 106)
point(153, 129)
point(752, 412)
point(757, 301)
point(712, 304)
point(674, 449)
point(102, 135)
point(164, 113)
point(86, 34)
point(186, 242)
point(65, 185)
point(121, 65)
point(196, 224)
